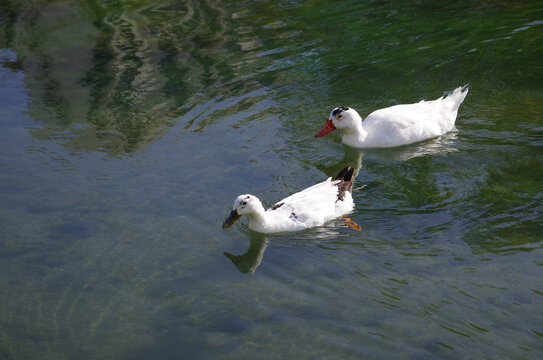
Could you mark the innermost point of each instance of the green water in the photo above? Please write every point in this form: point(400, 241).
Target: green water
point(127, 129)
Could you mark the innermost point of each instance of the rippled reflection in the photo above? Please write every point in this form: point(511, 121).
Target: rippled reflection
point(115, 74)
point(250, 260)
point(353, 157)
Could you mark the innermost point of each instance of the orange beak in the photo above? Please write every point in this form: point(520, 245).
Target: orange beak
point(328, 126)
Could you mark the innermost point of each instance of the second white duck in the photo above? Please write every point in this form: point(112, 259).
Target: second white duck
point(396, 125)
point(311, 207)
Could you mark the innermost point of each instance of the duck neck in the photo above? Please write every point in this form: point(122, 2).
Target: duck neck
point(257, 216)
point(354, 136)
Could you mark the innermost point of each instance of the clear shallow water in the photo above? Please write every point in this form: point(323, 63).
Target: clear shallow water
point(128, 128)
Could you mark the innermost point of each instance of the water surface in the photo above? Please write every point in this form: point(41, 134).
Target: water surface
point(129, 127)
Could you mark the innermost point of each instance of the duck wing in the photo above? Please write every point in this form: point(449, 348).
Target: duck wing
point(316, 204)
point(400, 117)
point(436, 116)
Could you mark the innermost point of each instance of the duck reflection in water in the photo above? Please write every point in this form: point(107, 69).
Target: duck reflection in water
point(353, 157)
point(250, 260)
point(440, 145)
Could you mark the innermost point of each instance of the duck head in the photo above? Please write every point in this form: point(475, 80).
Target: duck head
point(243, 205)
point(342, 118)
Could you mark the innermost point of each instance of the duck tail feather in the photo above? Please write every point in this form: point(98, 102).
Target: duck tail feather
point(342, 173)
point(346, 182)
point(457, 97)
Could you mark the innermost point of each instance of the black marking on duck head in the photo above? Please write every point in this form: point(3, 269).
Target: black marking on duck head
point(339, 110)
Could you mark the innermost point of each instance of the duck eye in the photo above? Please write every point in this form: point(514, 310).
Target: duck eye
point(244, 203)
point(339, 117)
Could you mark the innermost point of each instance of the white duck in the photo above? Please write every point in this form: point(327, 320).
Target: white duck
point(311, 207)
point(396, 125)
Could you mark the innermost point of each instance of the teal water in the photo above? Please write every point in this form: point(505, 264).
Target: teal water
point(127, 129)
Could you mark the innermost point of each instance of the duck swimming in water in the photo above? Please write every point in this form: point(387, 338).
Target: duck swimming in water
point(396, 125)
point(308, 208)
